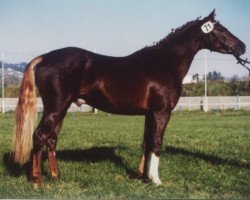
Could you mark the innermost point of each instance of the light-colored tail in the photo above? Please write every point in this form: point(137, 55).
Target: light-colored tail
point(22, 141)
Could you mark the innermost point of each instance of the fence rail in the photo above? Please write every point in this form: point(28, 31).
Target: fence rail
point(218, 103)
point(185, 103)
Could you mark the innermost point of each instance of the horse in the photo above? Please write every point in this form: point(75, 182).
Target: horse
point(147, 82)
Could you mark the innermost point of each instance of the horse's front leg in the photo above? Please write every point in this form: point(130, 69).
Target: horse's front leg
point(159, 123)
point(146, 146)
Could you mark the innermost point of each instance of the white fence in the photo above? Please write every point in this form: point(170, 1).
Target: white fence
point(214, 103)
point(11, 103)
point(185, 103)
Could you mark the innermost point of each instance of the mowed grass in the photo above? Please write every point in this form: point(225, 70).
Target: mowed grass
point(203, 156)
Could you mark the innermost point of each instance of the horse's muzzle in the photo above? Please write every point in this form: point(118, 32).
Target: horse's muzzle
point(240, 49)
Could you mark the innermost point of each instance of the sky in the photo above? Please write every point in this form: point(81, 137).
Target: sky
point(29, 28)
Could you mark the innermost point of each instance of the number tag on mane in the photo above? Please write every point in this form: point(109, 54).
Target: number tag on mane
point(207, 27)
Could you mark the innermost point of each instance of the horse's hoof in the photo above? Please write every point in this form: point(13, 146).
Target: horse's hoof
point(37, 184)
point(141, 175)
point(55, 177)
point(155, 180)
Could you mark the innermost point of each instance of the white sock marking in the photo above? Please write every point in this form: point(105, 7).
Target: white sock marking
point(153, 169)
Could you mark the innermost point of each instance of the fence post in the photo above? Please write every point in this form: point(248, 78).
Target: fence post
point(201, 105)
point(205, 102)
point(238, 102)
point(205, 77)
point(221, 103)
point(3, 106)
point(189, 106)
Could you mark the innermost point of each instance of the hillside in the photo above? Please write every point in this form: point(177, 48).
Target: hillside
point(13, 73)
point(19, 67)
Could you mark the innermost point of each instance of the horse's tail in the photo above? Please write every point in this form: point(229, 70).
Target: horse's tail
point(22, 141)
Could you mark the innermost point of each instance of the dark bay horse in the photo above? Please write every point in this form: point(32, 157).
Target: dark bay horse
point(147, 82)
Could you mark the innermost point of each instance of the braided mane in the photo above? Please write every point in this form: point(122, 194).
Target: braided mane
point(174, 33)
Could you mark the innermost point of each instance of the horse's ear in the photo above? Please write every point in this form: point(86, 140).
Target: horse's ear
point(212, 15)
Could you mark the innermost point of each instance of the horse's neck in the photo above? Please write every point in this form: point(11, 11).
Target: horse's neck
point(184, 48)
point(176, 55)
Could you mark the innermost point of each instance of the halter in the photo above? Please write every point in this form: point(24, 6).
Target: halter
point(243, 62)
point(208, 27)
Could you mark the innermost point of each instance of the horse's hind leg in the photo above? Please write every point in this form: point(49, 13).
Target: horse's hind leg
point(46, 134)
point(51, 151)
point(36, 158)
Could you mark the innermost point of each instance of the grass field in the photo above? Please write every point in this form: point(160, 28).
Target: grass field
point(203, 156)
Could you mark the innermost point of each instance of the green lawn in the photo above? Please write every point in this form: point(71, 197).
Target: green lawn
point(203, 156)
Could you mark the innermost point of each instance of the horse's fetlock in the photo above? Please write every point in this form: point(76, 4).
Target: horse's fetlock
point(51, 143)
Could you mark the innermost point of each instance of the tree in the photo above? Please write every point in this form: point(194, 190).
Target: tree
point(234, 85)
point(215, 76)
point(196, 78)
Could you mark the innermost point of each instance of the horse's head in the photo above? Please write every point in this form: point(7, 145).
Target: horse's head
point(216, 37)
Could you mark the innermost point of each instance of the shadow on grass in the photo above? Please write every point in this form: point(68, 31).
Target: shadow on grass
point(208, 158)
point(15, 169)
point(95, 154)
